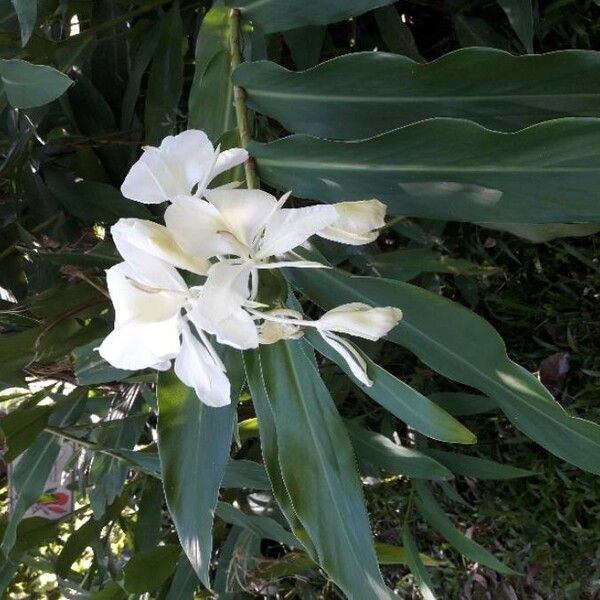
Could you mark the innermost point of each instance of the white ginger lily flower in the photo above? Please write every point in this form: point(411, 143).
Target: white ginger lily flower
point(249, 224)
point(270, 332)
point(148, 296)
point(180, 164)
point(357, 223)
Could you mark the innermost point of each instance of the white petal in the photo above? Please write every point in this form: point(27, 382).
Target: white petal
point(296, 264)
point(135, 303)
point(360, 320)
point(244, 212)
point(351, 355)
point(196, 368)
point(271, 332)
point(148, 269)
point(173, 169)
point(291, 227)
point(199, 228)
point(357, 223)
point(158, 241)
point(229, 159)
point(218, 308)
point(138, 345)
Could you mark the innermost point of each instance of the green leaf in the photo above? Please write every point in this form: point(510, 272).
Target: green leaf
point(305, 45)
point(435, 516)
point(396, 33)
point(462, 404)
point(400, 399)
point(149, 516)
point(337, 99)
point(27, 13)
point(378, 450)
point(166, 78)
point(473, 466)
point(281, 15)
point(450, 169)
point(245, 474)
point(28, 85)
point(538, 233)
point(387, 554)
point(415, 564)
point(317, 466)
point(90, 368)
point(520, 15)
point(21, 427)
point(184, 581)
point(211, 95)
point(146, 571)
point(263, 527)
point(193, 443)
point(462, 346)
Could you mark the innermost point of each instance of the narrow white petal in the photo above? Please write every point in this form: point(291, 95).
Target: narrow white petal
point(229, 159)
point(357, 223)
point(360, 320)
point(351, 356)
point(288, 228)
point(158, 241)
point(139, 345)
point(196, 367)
point(149, 180)
point(296, 264)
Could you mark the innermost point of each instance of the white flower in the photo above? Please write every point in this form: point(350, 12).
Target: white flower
point(271, 332)
point(149, 297)
point(180, 164)
point(357, 223)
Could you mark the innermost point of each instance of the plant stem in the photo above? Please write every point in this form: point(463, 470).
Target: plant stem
point(239, 97)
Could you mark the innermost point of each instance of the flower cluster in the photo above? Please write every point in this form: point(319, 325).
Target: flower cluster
point(224, 237)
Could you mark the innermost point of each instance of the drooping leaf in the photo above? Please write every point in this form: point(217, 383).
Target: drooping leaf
point(337, 99)
point(396, 33)
point(28, 85)
point(450, 169)
point(193, 443)
point(416, 566)
point(380, 451)
point(317, 466)
point(281, 15)
point(149, 516)
point(520, 16)
point(145, 571)
point(27, 13)
point(211, 95)
point(305, 45)
point(166, 78)
point(184, 581)
point(463, 404)
point(435, 516)
point(462, 346)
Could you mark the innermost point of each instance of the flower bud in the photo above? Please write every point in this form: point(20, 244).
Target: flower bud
point(357, 223)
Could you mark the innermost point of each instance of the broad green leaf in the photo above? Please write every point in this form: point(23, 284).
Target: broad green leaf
point(401, 400)
point(305, 45)
point(473, 466)
point(463, 404)
point(318, 468)
point(149, 516)
point(450, 169)
point(91, 368)
point(21, 427)
point(166, 78)
point(245, 474)
point(377, 450)
point(387, 554)
point(27, 13)
point(16, 351)
point(462, 346)
point(520, 15)
point(27, 85)
point(435, 516)
point(539, 233)
point(193, 443)
point(281, 15)
point(415, 564)
point(396, 33)
point(145, 571)
point(211, 95)
point(263, 527)
point(337, 99)
point(184, 581)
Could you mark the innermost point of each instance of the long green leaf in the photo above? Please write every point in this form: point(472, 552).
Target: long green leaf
point(27, 14)
point(166, 78)
point(435, 516)
point(27, 85)
point(450, 169)
point(318, 468)
point(145, 571)
point(401, 400)
point(501, 91)
point(281, 15)
point(520, 15)
point(193, 443)
point(462, 346)
point(211, 94)
point(416, 566)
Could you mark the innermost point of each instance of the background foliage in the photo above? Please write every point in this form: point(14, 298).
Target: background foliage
point(483, 213)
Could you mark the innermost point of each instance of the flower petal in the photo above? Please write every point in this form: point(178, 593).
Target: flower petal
point(229, 159)
point(158, 241)
point(351, 355)
point(291, 227)
point(360, 320)
point(138, 345)
point(357, 223)
point(196, 367)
